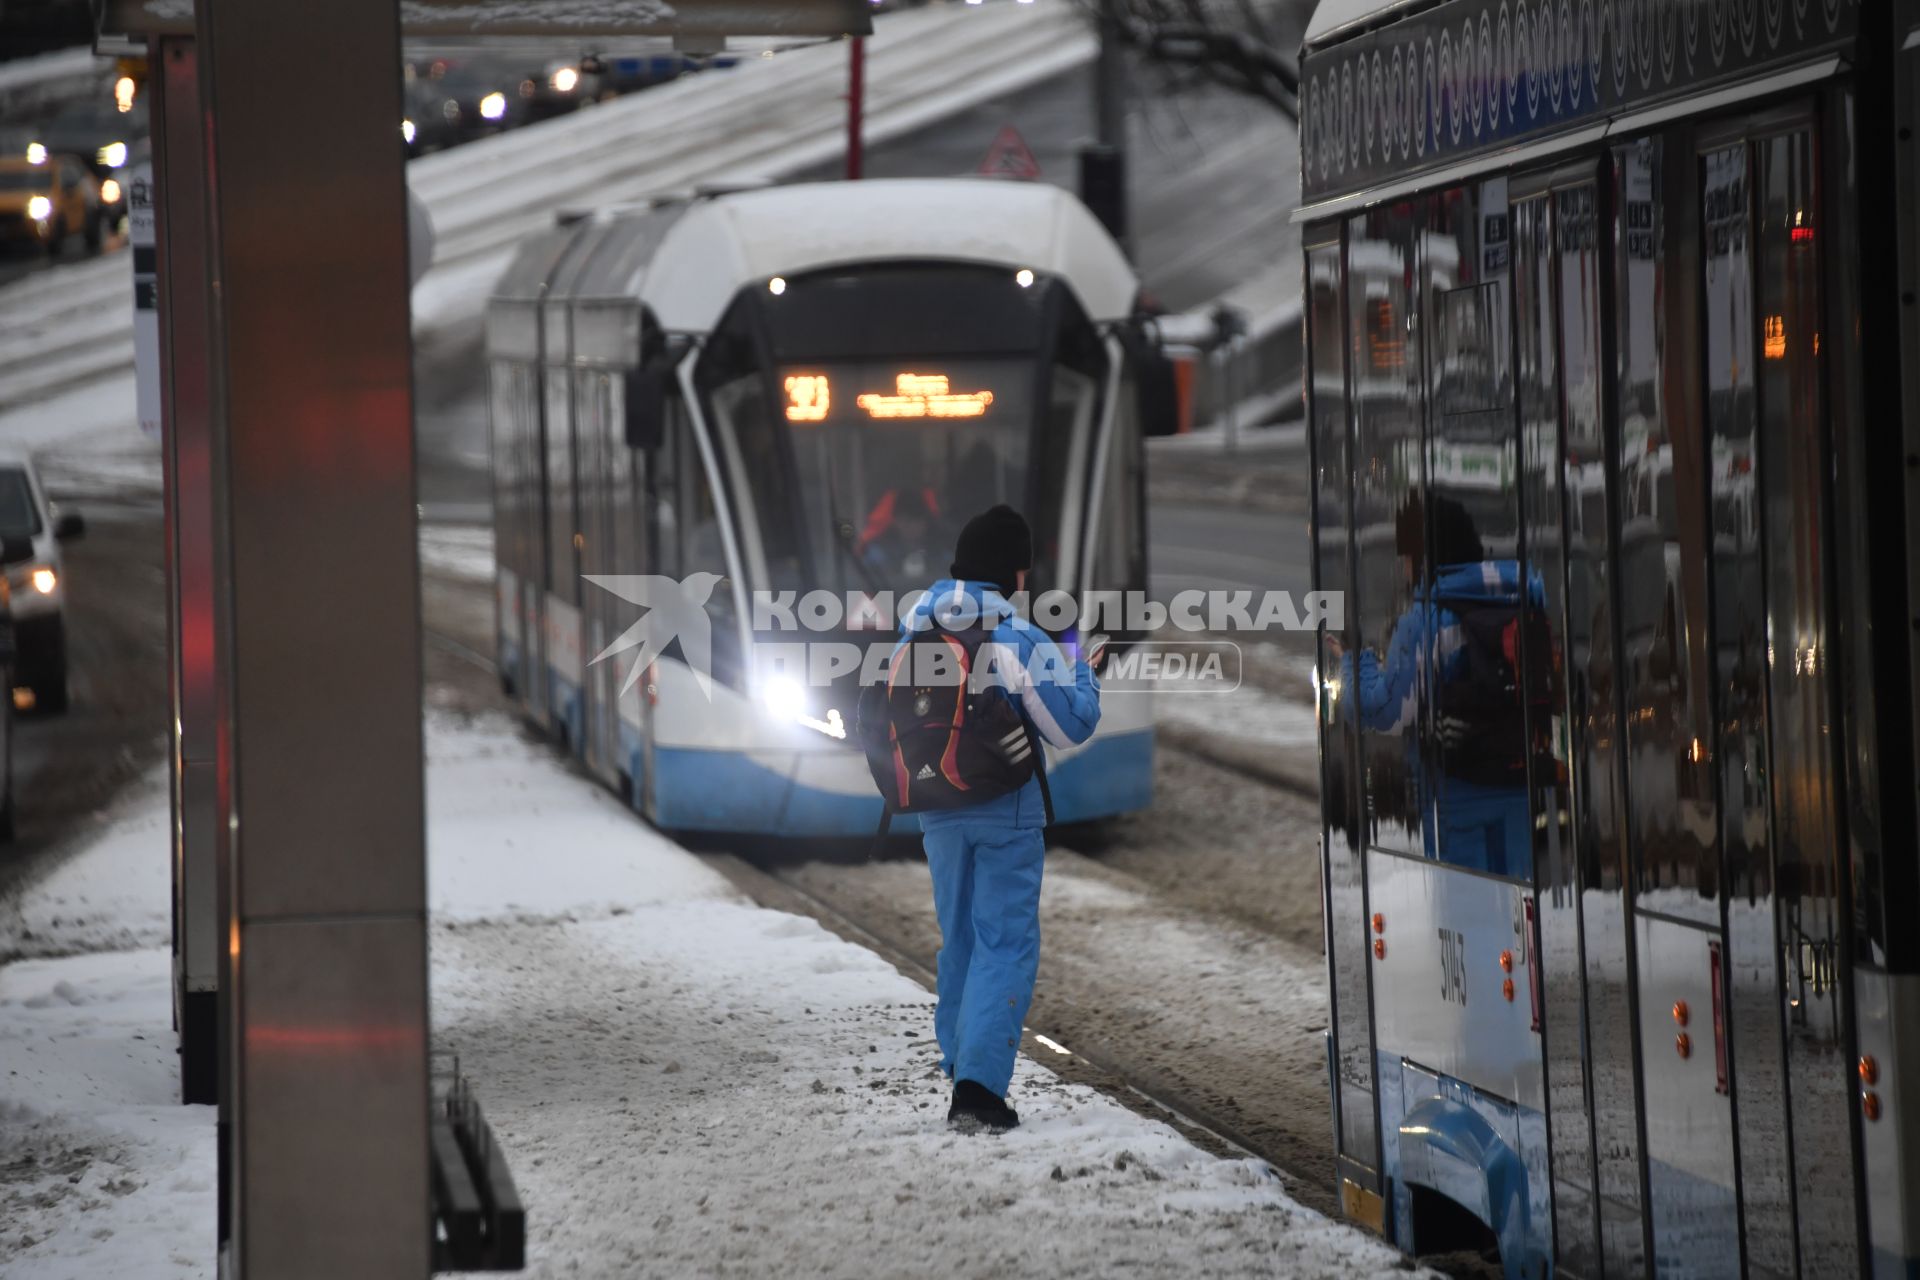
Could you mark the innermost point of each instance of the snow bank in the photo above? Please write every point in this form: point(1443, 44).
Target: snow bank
point(104, 1173)
point(685, 1083)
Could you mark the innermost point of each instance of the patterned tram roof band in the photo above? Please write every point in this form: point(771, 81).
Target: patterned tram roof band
point(1472, 76)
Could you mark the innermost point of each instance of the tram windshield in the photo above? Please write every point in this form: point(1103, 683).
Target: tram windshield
point(968, 389)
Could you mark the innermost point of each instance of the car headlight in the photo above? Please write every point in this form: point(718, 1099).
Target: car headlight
point(110, 191)
point(113, 155)
point(565, 80)
point(407, 130)
point(44, 581)
point(36, 153)
point(39, 208)
point(493, 106)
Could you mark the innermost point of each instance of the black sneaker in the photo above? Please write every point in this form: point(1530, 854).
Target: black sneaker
point(977, 1109)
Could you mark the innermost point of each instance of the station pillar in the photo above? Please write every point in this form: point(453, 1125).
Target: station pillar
point(323, 893)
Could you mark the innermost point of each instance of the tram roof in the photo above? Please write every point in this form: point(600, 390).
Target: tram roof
point(1334, 19)
point(719, 246)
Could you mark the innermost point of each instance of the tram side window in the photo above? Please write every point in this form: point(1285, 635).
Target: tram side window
point(560, 479)
point(1381, 678)
point(684, 528)
point(1477, 607)
point(1664, 550)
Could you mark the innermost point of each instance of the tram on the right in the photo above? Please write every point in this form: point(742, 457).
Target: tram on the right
point(1614, 406)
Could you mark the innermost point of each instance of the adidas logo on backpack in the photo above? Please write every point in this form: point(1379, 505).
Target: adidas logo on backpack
point(926, 771)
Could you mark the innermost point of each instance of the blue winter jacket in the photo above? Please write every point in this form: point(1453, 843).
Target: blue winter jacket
point(1061, 697)
point(1386, 689)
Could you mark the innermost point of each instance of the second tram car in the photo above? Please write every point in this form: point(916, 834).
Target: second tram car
point(1610, 321)
point(797, 390)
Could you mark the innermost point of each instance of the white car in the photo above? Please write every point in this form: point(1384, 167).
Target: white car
point(37, 582)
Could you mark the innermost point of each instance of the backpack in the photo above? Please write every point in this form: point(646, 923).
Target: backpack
point(936, 737)
point(1485, 710)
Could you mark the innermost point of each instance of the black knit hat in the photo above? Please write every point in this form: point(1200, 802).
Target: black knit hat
point(1454, 539)
point(993, 548)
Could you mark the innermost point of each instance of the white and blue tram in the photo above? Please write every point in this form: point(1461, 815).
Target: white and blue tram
point(1617, 299)
point(792, 390)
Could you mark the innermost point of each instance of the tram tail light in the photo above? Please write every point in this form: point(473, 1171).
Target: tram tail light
point(1719, 1022)
point(1533, 964)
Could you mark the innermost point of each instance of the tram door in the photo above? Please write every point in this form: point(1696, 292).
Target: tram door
point(1683, 792)
point(1776, 666)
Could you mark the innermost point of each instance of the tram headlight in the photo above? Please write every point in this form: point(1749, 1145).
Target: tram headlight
point(39, 208)
point(783, 697)
point(785, 701)
point(493, 106)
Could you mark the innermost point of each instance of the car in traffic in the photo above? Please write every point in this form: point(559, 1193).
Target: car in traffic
point(473, 96)
point(36, 581)
point(44, 202)
point(97, 132)
point(565, 84)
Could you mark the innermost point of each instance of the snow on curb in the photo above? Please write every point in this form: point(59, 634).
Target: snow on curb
point(686, 1084)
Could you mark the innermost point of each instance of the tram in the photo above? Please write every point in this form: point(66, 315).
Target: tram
point(1623, 967)
point(793, 393)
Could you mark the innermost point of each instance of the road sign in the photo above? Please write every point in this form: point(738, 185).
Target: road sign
point(1010, 157)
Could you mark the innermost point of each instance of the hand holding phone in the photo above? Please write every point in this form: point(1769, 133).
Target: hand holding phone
point(1096, 651)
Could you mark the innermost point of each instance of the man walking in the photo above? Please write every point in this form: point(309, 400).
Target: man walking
point(986, 857)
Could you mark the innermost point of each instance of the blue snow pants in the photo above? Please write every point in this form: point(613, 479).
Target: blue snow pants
point(986, 891)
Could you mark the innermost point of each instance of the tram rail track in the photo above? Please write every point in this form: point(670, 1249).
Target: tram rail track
point(1142, 1091)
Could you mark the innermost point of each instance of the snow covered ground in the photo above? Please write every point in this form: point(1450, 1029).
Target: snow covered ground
point(687, 1084)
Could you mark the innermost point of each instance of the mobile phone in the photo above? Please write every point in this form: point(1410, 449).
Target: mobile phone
point(1096, 651)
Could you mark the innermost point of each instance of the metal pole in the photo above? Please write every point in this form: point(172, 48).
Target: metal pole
point(313, 456)
point(1110, 81)
point(1103, 166)
point(856, 105)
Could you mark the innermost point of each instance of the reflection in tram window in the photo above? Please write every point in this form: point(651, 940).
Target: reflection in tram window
point(1807, 847)
point(1600, 829)
point(1478, 609)
point(1663, 552)
point(1349, 941)
point(1740, 657)
point(1563, 1013)
point(1387, 470)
